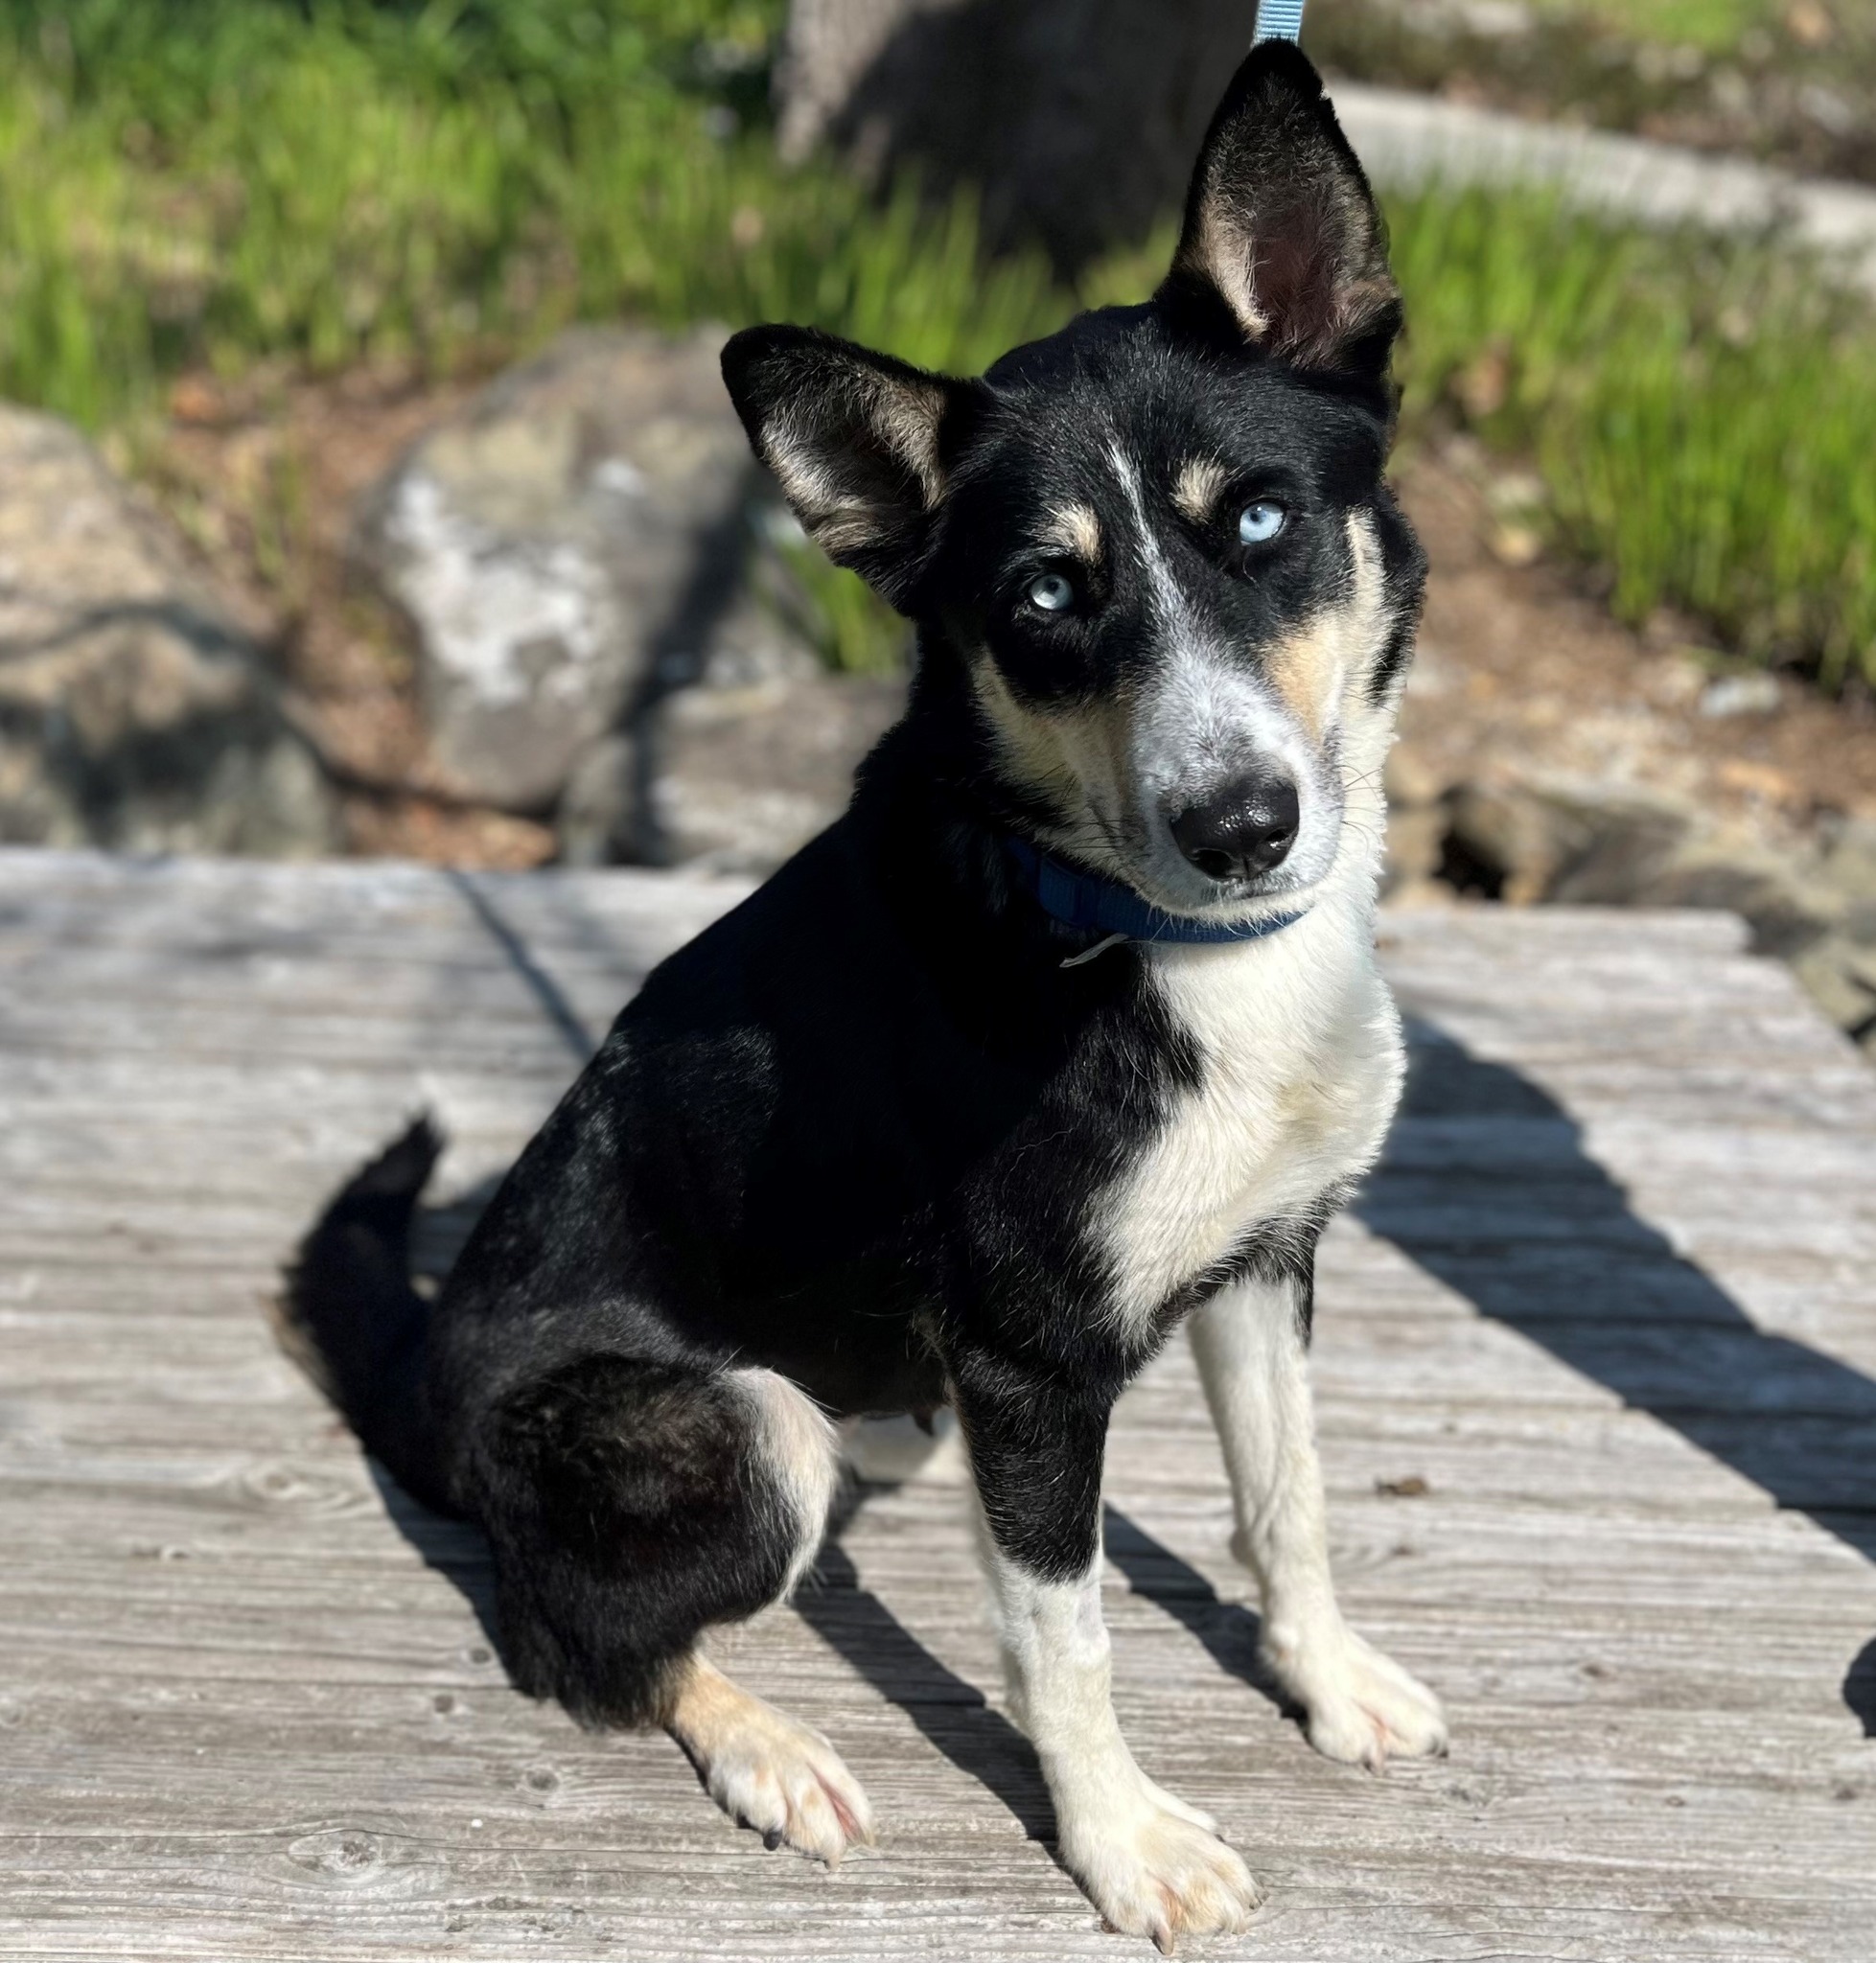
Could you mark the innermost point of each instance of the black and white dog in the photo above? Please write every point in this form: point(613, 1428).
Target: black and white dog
point(1068, 1033)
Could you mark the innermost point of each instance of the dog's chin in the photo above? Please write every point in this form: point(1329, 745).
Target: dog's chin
point(1220, 902)
point(1167, 881)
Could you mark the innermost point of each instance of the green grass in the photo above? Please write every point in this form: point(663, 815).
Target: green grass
point(424, 183)
point(229, 182)
point(1704, 412)
point(1713, 25)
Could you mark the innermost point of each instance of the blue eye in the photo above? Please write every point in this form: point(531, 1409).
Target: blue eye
point(1260, 523)
point(1051, 592)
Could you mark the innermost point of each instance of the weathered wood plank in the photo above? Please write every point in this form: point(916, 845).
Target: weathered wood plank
point(1612, 1300)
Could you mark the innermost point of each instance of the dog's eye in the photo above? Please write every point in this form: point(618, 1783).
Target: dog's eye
point(1050, 593)
point(1260, 523)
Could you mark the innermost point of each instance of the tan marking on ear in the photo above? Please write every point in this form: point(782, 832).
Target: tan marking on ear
point(904, 417)
point(908, 417)
point(1333, 250)
point(1314, 669)
point(1073, 529)
point(805, 481)
point(1198, 487)
point(847, 528)
point(836, 521)
point(1075, 762)
point(1224, 254)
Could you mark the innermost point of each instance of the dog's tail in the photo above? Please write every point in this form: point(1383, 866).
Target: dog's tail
point(351, 1317)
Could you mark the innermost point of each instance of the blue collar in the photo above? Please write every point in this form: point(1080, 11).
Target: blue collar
point(1093, 905)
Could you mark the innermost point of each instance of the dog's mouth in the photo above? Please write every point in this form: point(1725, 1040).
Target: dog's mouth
point(1232, 900)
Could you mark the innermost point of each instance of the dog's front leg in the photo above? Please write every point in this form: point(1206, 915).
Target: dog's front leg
point(1360, 1706)
point(1152, 1865)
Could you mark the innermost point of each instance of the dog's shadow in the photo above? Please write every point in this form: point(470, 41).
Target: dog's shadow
point(1488, 1186)
point(953, 1715)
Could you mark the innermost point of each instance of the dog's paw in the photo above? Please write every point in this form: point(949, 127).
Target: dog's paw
point(781, 1777)
point(1159, 1872)
point(1359, 1707)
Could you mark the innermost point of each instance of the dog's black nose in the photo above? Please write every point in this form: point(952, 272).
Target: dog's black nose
point(1242, 831)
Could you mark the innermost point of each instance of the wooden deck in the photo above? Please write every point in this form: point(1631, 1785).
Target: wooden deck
point(1597, 1364)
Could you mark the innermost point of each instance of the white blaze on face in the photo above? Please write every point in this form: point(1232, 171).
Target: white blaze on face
point(1201, 714)
point(1207, 718)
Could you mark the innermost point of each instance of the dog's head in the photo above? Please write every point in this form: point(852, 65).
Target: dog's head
point(1159, 541)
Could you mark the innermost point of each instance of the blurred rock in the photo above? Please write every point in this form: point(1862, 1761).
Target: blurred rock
point(1740, 695)
point(1582, 842)
point(134, 713)
point(1770, 891)
point(563, 548)
point(1531, 838)
point(730, 779)
point(1849, 866)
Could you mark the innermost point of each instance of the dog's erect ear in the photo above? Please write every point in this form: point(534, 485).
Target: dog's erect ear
point(1281, 230)
point(858, 440)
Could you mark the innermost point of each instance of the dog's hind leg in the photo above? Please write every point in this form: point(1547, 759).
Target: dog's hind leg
point(1360, 1705)
point(632, 1506)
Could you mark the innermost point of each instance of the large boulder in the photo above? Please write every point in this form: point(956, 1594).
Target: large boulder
point(734, 776)
point(134, 712)
point(564, 548)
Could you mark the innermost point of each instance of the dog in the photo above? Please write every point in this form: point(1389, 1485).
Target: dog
point(1066, 1033)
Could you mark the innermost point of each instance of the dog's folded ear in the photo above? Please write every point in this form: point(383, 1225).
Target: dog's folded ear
point(1282, 246)
point(857, 440)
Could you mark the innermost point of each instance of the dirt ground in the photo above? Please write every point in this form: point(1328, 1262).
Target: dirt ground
point(1521, 665)
point(1520, 662)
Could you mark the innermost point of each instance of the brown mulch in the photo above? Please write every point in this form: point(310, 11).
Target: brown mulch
point(1522, 665)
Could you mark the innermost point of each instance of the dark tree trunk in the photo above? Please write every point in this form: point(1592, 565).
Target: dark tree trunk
point(1078, 119)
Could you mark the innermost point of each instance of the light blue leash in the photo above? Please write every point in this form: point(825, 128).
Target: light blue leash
point(1278, 21)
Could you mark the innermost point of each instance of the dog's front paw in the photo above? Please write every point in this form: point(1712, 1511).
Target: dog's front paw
point(1360, 1708)
point(1160, 1874)
point(775, 1774)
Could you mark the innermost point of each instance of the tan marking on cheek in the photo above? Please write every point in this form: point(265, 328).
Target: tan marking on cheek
point(1073, 529)
point(1076, 762)
point(1093, 742)
point(1198, 487)
point(1024, 740)
point(1305, 671)
point(1328, 659)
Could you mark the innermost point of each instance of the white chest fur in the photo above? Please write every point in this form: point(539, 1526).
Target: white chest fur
point(1300, 1055)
